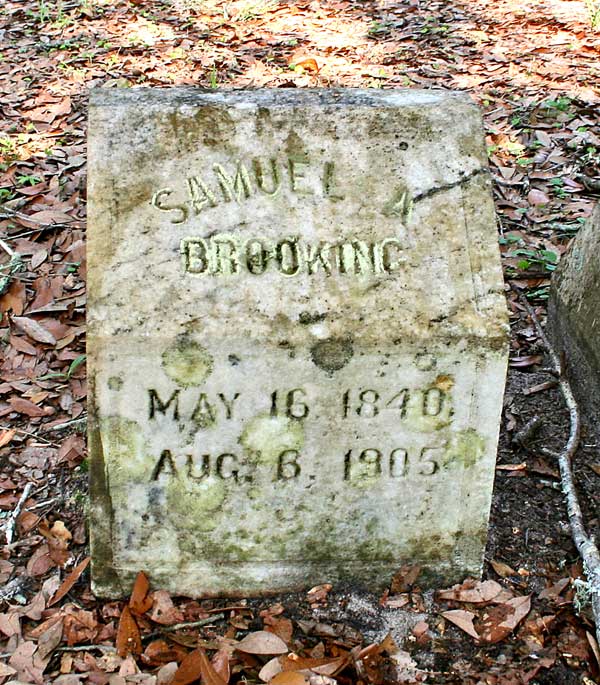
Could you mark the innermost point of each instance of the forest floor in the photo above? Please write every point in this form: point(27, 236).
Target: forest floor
point(532, 67)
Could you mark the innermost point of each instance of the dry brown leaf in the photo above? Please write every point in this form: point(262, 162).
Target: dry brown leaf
point(139, 602)
point(50, 639)
point(6, 436)
point(503, 619)
point(282, 627)
point(160, 652)
point(472, 592)
point(462, 619)
point(34, 330)
point(220, 663)
point(289, 678)
point(69, 581)
point(262, 642)
point(23, 406)
point(404, 579)
point(270, 669)
point(163, 609)
point(502, 569)
point(129, 640)
point(310, 65)
point(195, 666)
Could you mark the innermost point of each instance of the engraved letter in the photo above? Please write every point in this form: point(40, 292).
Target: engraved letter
point(204, 471)
point(387, 262)
point(226, 256)
point(329, 182)
point(297, 175)
point(223, 471)
point(237, 188)
point(316, 255)
point(157, 405)
point(228, 404)
point(433, 401)
point(157, 202)
point(194, 253)
point(288, 256)
point(260, 179)
point(371, 458)
point(287, 465)
point(398, 463)
point(201, 194)
point(204, 414)
point(166, 458)
point(364, 260)
point(399, 401)
point(257, 256)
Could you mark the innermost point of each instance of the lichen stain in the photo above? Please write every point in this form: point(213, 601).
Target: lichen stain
point(332, 354)
point(187, 362)
point(265, 437)
point(125, 452)
point(444, 382)
point(195, 506)
point(465, 448)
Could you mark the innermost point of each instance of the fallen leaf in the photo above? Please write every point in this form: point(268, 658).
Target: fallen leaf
point(502, 569)
point(462, 619)
point(6, 436)
point(404, 579)
point(537, 197)
point(270, 669)
point(262, 642)
point(220, 663)
point(163, 609)
point(195, 666)
point(473, 592)
point(139, 602)
point(34, 330)
point(50, 639)
point(310, 65)
point(500, 621)
point(69, 581)
point(23, 406)
point(289, 678)
point(129, 640)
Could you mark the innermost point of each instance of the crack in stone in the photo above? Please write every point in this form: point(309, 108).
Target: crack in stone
point(441, 189)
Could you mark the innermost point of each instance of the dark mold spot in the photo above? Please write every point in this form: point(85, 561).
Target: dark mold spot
point(308, 318)
point(332, 355)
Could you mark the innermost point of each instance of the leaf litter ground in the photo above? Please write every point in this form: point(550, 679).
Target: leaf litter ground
point(532, 67)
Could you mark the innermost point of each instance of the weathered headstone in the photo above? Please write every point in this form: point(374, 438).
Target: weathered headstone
point(297, 337)
point(574, 315)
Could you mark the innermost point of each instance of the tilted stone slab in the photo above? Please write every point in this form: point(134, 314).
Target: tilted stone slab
point(574, 315)
point(297, 338)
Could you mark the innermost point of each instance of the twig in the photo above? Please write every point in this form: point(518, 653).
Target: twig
point(77, 424)
point(13, 588)
point(87, 648)
point(14, 214)
point(15, 264)
point(12, 519)
point(585, 544)
point(32, 435)
point(526, 433)
point(181, 626)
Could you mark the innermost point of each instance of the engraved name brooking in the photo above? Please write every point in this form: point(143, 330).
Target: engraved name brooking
point(225, 254)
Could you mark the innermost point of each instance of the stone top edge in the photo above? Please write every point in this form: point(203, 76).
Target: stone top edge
point(275, 97)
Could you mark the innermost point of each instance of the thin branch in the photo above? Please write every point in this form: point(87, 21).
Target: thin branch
point(12, 519)
point(585, 544)
point(182, 626)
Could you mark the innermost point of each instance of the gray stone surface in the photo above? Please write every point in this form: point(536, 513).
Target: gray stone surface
point(297, 337)
point(574, 315)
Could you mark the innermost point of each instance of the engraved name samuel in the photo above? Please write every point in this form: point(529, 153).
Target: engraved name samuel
point(226, 254)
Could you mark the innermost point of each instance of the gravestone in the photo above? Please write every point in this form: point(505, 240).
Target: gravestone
point(297, 338)
point(574, 315)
